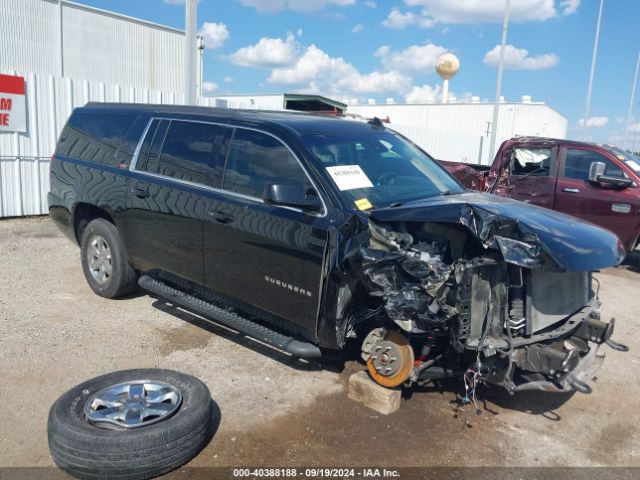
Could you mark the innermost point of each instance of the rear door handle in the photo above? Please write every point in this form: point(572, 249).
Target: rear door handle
point(571, 190)
point(220, 216)
point(141, 192)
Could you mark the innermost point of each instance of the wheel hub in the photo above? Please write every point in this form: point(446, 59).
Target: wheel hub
point(99, 256)
point(132, 404)
point(391, 360)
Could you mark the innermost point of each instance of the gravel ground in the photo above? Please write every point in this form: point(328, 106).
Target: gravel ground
point(55, 333)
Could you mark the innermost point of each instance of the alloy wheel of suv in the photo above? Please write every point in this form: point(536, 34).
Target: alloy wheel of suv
point(104, 261)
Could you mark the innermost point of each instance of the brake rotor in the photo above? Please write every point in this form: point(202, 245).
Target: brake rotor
point(391, 360)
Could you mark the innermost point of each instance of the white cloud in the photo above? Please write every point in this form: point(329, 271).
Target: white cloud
point(491, 11)
point(398, 20)
point(316, 71)
point(569, 6)
point(209, 87)
point(228, 79)
point(370, 4)
point(519, 59)
point(593, 122)
point(302, 6)
point(423, 94)
point(411, 59)
point(300, 32)
point(268, 52)
point(215, 34)
point(358, 28)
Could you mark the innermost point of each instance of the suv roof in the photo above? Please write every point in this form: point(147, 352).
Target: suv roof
point(299, 122)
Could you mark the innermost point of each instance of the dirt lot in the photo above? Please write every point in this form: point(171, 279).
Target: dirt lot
point(55, 333)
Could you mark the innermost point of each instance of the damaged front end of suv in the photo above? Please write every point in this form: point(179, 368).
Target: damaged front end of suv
point(471, 286)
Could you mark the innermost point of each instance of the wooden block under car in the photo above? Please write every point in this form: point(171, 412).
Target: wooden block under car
point(363, 389)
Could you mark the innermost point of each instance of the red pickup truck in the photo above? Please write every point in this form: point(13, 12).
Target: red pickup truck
point(597, 183)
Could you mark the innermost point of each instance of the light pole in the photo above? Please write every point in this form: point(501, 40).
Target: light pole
point(496, 105)
point(190, 45)
point(587, 106)
point(633, 96)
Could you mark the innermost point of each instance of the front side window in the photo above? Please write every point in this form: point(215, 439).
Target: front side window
point(193, 152)
point(531, 161)
point(375, 169)
point(257, 159)
point(577, 163)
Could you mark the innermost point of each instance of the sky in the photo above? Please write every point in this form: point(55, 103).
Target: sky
point(375, 49)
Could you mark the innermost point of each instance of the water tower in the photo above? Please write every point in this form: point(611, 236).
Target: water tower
point(447, 66)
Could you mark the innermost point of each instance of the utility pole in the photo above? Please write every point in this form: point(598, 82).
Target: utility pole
point(633, 97)
point(496, 105)
point(587, 106)
point(190, 46)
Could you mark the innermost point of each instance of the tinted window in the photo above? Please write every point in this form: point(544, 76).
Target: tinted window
point(577, 163)
point(94, 137)
point(194, 152)
point(256, 159)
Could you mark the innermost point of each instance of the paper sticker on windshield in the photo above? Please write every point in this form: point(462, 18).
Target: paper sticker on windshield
point(348, 177)
point(363, 204)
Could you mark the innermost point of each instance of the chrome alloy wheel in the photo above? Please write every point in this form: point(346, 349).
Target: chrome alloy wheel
point(99, 259)
point(132, 404)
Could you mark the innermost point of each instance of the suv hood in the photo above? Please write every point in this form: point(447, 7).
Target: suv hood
point(526, 235)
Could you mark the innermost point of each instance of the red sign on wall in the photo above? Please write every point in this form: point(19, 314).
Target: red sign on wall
point(13, 111)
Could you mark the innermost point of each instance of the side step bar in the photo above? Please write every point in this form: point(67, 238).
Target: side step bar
point(230, 319)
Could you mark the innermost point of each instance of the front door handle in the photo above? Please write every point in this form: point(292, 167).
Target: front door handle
point(222, 217)
point(142, 192)
point(571, 190)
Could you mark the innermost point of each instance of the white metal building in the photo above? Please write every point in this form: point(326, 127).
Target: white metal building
point(66, 39)
point(461, 132)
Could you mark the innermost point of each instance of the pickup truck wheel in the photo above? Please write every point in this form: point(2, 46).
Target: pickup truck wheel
point(133, 424)
point(104, 262)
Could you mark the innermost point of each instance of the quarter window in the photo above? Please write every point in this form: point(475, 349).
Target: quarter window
point(255, 160)
point(577, 163)
point(193, 152)
point(94, 137)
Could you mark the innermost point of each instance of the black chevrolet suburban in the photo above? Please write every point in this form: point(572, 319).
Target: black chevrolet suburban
point(310, 232)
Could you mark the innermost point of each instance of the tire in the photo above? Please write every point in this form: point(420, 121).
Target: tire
point(85, 450)
point(121, 278)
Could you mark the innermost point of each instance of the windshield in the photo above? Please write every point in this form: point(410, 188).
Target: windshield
point(379, 169)
point(632, 161)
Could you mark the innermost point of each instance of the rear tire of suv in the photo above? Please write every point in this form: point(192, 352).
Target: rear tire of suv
point(104, 262)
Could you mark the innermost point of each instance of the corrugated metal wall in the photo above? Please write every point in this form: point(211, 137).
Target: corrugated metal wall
point(461, 132)
point(24, 158)
point(96, 45)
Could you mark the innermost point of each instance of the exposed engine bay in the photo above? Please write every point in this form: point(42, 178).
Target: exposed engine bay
point(450, 304)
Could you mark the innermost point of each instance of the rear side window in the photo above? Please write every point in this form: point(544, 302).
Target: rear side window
point(194, 152)
point(577, 163)
point(94, 137)
point(256, 159)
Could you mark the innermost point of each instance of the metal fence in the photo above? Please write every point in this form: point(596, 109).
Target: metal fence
point(24, 157)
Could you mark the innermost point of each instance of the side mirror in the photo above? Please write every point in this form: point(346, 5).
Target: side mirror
point(292, 195)
point(596, 175)
point(596, 170)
